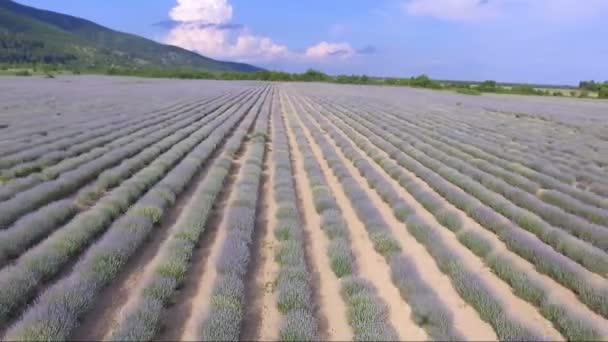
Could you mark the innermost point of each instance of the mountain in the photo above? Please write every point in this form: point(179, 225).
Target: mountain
point(30, 35)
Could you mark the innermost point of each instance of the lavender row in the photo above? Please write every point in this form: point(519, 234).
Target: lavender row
point(541, 173)
point(592, 258)
point(70, 181)
point(62, 148)
point(495, 165)
point(94, 145)
point(224, 319)
point(142, 319)
point(472, 288)
point(294, 281)
point(28, 230)
point(75, 129)
point(537, 173)
point(18, 282)
point(546, 260)
point(366, 312)
point(20, 184)
point(445, 153)
point(568, 322)
point(567, 163)
point(428, 309)
point(44, 127)
point(57, 311)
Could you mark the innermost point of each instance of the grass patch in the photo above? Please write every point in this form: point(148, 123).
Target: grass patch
point(468, 91)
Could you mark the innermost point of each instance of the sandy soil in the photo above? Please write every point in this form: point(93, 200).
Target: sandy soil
point(332, 308)
point(117, 299)
point(517, 307)
point(176, 315)
point(372, 265)
point(191, 302)
point(199, 304)
point(268, 318)
point(466, 319)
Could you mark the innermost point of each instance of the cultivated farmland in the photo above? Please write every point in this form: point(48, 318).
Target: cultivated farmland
point(136, 209)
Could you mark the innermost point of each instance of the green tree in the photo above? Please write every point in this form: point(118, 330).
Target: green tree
point(423, 81)
point(312, 75)
point(589, 85)
point(488, 86)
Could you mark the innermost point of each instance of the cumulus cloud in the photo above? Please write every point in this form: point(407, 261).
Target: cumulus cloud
point(324, 49)
point(238, 44)
point(560, 11)
point(205, 26)
point(207, 11)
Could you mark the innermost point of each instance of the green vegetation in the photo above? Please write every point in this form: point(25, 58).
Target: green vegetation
point(468, 91)
point(29, 36)
point(488, 87)
point(38, 42)
point(603, 92)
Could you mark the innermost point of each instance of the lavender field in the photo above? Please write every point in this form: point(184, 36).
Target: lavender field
point(144, 209)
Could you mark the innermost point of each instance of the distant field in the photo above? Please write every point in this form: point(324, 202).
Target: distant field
point(146, 209)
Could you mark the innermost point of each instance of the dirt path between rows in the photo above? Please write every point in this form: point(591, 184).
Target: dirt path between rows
point(372, 265)
point(103, 319)
point(331, 307)
point(125, 290)
point(262, 319)
point(517, 307)
point(175, 316)
point(466, 319)
point(199, 304)
point(270, 318)
point(552, 288)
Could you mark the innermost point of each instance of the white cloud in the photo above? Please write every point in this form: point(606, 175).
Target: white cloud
point(205, 26)
point(547, 11)
point(325, 50)
point(220, 43)
point(204, 11)
point(214, 41)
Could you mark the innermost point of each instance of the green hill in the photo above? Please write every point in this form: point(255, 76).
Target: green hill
point(29, 35)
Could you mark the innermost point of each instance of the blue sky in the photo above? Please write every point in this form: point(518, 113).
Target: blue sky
point(543, 41)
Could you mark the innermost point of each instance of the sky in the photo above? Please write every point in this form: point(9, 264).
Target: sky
point(536, 41)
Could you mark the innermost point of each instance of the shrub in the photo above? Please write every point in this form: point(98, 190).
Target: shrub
point(385, 243)
point(23, 73)
point(475, 242)
point(340, 257)
point(299, 325)
point(450, 219)
point(427, 309)
point(468, 91)
point(365, 313)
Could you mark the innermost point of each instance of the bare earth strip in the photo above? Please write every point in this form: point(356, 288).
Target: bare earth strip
point(176, 316)
point(557, 291)
point(332, 308)
point(116, 300)
point(466, 319)
point(99, 323)
point(517, 306)
point(372, 265)
point(265, 299)
point(199, 304)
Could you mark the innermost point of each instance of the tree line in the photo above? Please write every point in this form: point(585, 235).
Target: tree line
point(312, 75)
